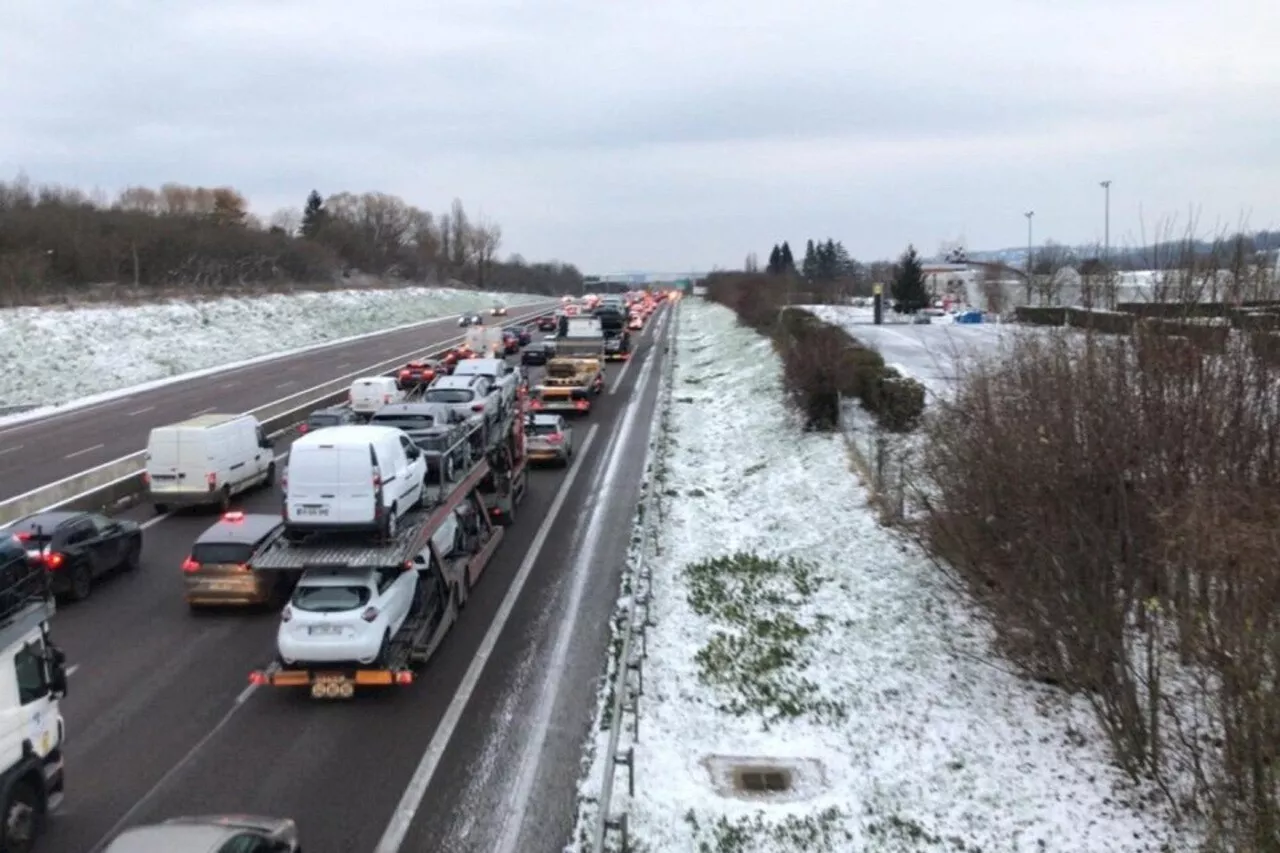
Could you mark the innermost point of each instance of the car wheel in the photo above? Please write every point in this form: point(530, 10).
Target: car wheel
point(81, 583)
point(133, 559)
point(21, 820)
point(392, 525)
point(161, 509)
point(448, 469)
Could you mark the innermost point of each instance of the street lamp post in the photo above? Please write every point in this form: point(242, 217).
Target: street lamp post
point(1106, 221)
point(1029, 214)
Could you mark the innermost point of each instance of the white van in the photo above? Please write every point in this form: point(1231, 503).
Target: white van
point(206, 460)
point(352, 478)
point(486, 340)
point(373, 392)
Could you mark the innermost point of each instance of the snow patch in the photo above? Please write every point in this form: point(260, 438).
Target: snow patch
point(57, 355)
point(791, 625)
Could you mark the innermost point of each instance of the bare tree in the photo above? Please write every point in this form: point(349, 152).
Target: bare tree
point(486, 237)
point(752, 263)
point(287, 220)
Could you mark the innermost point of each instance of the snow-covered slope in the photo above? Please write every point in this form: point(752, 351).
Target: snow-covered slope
point(834, 643)
point(52, 355)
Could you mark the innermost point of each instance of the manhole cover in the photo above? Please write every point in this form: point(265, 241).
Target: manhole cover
point(761, 780)
point(772, 778)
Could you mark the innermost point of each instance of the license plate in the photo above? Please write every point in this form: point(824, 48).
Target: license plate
point(324, 630)
point(330, 676)
point(220, 586)
point(314, 511)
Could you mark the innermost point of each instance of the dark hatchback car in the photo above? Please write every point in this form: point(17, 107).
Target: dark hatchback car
point(548, 323)
point(523, 333)
point(538, 353)
point(78, 548)
point(321, 418)
point(217, 571)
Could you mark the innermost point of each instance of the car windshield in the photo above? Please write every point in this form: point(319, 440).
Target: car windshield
point(221, 553)
point(545, 429)
point(404, 421)
point(448, 395)
point(330, 599)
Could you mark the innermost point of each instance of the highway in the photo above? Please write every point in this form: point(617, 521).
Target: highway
point(38, 452)
point(161, 720)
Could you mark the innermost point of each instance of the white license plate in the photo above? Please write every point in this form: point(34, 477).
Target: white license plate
point(313, 511)
point(220, 586)
point(324, 630)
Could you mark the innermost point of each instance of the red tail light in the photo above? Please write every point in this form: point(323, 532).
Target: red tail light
point(386, 398)
point(404, 678)
point(404, 374)
point(146, 478)
point(377, 481)
point(189, 565)
point(477, 407)
point(582, 405)
point(53, 561)
point(212, 479)
point(369, 614)
point(258, 678)
point(302, 428)
point(535, 405)
point(24, 537)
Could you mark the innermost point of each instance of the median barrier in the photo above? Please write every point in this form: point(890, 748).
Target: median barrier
point(109, 483)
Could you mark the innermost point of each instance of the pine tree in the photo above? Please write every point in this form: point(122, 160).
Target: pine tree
point(845, 266)
point(809, 265)
point(788, 260)
point(313, 215)
point(909, 291)
point(775, 261)
point(827, 260)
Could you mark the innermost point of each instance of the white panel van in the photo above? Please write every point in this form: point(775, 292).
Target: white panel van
point(373, 392)
point(352, 478)
point(206, 460)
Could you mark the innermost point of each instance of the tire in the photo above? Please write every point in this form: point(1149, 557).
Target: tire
point(133, 559)
point(224, 502)
point(270, 479)
point(384, 651)
point(81, 583)
point(391, 526)
point(161, 509)
point(447, 468)
point(21, 820)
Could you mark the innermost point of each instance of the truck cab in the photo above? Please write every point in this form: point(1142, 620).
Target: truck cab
point(33, 679)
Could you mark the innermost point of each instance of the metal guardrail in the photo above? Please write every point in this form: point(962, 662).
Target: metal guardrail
point(112, 481)
point(628, 684)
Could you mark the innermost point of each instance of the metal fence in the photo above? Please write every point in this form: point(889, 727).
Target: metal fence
point(628, 685)
point(882, 461)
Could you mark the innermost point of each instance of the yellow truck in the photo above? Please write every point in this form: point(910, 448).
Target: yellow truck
point(570, 384)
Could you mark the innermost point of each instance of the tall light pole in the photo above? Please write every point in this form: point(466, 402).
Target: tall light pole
point(1106, 220)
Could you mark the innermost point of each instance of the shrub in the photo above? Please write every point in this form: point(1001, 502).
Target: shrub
point(1111, 502)
point(1107, 322)
point(1040, 316)
point(901, 401)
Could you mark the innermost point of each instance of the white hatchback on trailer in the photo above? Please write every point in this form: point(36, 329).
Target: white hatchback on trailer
point(345, 615)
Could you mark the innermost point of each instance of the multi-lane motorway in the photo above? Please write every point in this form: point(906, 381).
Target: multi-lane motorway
point(37, 452)
point(482, 753)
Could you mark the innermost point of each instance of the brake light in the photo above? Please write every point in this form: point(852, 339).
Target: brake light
point(146, 478)
point(386, 398)
point(234, 516)
point(189, 565)
point(404, 677)
point(369, 614)
point(302, 428)
point(404, 374)
point(258, 678)
point(286, 614)
point(477, 407)
point(212, 479)
point(582, 405)
point(377, 480)
point(53, 560)
point(24, 537)
point(535, 405)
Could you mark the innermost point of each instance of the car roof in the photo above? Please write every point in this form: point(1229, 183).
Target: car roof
point(419, 407)
point(332, 410)
point(247, 529)
point(548, 420)
point(171, 837)
point(336, 577)
point(346, 433)
point(479, 363)
point(49, 520)
point(456, 380)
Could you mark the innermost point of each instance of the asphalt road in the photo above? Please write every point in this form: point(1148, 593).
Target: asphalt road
point(36, 453)
point(161, 720)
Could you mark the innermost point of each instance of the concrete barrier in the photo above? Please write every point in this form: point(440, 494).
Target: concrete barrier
point(112, 482)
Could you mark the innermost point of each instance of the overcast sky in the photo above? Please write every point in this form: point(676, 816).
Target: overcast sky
point(670, 135)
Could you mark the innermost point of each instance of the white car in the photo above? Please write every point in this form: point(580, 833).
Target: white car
point(467, 395)
point(506, 378)
point(345, 615)
point(498, 311)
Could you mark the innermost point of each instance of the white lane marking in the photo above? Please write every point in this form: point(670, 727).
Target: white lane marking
point(246, 693)
point(83, 452)
point(398, 827)
point(13, 449)
point(71, 670)
point(159, 518)
point(554, 672)
point(173, 771)
point(143, 411)
point(233, 383)
point(203, 412)
point(342, 365)
point(290, 382)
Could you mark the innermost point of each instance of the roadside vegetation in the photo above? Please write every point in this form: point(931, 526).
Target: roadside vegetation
point(61, 244)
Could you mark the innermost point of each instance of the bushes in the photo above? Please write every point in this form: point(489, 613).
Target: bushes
point(1040, 316)
point(1112, 503)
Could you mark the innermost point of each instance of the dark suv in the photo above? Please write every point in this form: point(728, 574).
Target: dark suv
point(77, 548)
point(331, 417)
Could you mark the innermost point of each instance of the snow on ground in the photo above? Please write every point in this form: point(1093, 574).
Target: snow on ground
point(837, 644)
point(53, 355)
point(934, 354)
